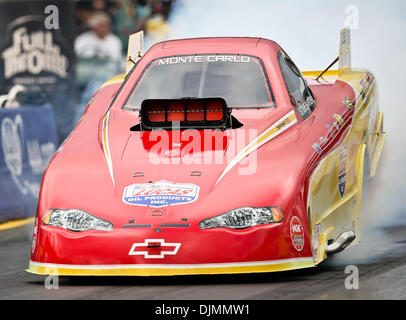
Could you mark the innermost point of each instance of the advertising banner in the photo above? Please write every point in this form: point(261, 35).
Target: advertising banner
point(27, 143)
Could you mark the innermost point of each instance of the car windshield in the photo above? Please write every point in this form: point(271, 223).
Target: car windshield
point(238, 79)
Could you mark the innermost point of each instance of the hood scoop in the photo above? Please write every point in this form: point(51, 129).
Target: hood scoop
point(185, 113)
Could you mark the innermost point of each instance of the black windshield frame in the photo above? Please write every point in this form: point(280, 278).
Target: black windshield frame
point(261, 64)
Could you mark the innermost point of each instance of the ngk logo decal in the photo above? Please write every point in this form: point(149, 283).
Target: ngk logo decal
point(154, 248)
point(160, 194)
point(297, 233)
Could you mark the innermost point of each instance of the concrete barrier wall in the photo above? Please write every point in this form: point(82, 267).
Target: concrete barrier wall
point(27, 142)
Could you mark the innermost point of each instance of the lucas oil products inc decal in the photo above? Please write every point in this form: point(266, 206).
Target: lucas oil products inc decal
point(160, 194)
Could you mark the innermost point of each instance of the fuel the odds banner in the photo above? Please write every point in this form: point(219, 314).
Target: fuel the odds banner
point(36, 51)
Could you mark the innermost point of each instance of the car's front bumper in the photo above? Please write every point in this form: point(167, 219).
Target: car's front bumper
point(191, 251)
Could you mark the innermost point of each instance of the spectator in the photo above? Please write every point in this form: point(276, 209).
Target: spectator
point(143, 9)
point(99, 57)
point(162, 7)
point(99, 41)
point(83, 12)
point(129, 17)
point(99, 5)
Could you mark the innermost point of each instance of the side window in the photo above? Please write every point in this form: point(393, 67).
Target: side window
point(300, 94)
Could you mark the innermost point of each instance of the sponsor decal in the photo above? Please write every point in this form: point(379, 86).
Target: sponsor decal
point(200, 59)
point(342, 170)
point(160, 194)
point(154, 249)
point(365, 83)
point(339, 121)
point(317, 147)
point(315, 240)
point(283, 123)
point(366, 80)
point(323, 140)
point(348, 103)
point(297, 233)
point(363, 95)
point(332, 130)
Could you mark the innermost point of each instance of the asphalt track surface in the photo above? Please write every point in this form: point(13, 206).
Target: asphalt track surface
point(381, 276)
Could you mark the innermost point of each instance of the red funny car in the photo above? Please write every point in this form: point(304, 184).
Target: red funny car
point(211, 155)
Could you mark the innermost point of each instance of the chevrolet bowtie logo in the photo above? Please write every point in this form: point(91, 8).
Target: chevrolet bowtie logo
point(154, 248)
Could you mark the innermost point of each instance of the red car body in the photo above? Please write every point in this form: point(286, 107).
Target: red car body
point(102, 157)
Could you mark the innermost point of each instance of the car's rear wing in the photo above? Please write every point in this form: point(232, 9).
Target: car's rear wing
point(135, 46)
point(343, 59)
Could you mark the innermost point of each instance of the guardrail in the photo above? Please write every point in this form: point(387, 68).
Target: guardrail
point(28, 141)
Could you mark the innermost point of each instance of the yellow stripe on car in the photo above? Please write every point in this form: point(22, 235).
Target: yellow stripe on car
point(168, 269)
point(106, 147)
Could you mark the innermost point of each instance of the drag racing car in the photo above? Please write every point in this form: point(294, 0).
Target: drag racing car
point(211, 156)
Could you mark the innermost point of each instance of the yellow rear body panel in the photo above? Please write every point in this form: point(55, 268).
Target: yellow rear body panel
point(330, 213)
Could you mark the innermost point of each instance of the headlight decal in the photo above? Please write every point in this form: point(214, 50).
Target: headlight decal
point(245, 217)
point(75, 220)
